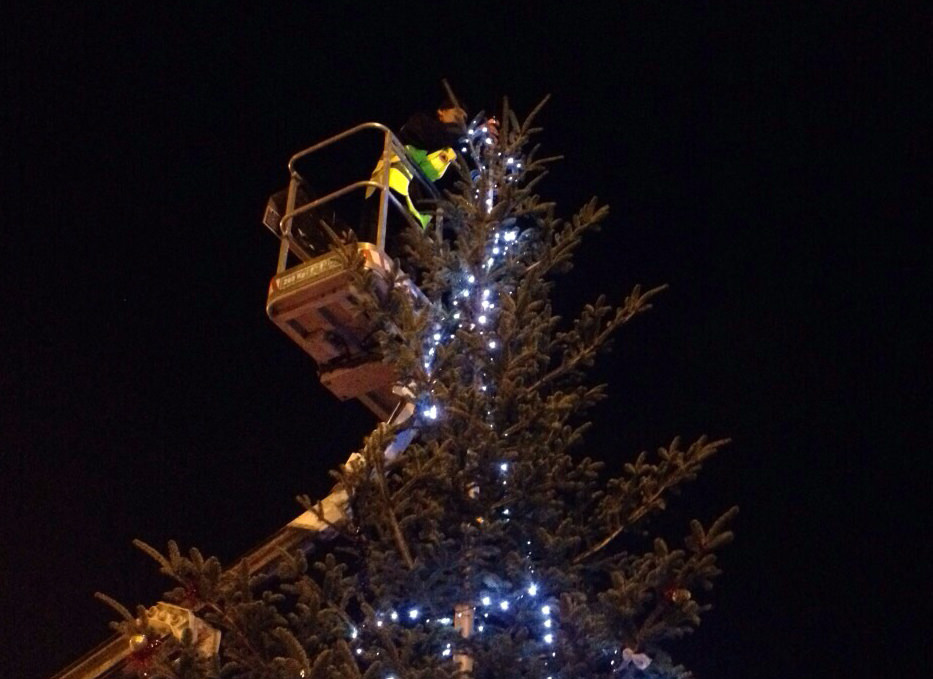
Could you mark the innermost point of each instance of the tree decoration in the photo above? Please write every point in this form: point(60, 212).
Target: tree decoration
point(485, 548)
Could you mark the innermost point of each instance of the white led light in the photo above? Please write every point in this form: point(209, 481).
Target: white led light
point(545, 610)
point(413, 613)
point(486, 600)
point(394, 615)
point(496, 251)
point(504, 467)
point(431, 414)
point(532, 589)
point(510, 236)
point(547, 623)
point(492, 344)
point(437, 337)
point(549, 638)
point(482, 320)
point(504, 605)
point(471, 278)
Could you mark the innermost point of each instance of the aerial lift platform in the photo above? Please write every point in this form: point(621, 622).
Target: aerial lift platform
point(313, 300)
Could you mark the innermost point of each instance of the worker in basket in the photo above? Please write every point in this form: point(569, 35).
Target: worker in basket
point(430, 141)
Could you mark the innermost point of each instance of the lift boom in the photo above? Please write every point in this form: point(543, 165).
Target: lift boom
point(316, 305)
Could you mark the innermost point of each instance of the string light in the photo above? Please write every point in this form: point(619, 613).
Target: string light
point(475, 308)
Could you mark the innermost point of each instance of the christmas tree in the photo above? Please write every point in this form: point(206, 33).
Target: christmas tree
point(471, 541)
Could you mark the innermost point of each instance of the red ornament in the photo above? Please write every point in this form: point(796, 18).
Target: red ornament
point(677, 594)
point(142, 653)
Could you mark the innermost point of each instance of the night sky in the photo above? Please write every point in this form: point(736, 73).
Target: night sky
point(763, 162)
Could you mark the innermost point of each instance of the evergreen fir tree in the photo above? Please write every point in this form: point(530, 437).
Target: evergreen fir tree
point(484, 548)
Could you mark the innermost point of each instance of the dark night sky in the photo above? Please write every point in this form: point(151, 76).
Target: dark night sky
point(762, 161)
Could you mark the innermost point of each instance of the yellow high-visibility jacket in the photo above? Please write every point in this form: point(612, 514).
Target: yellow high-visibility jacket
point(434, 165)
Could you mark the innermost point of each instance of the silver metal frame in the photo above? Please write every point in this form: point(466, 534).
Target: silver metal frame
point(391, 148)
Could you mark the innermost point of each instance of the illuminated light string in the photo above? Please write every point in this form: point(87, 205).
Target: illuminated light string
point(473, 307)
point(487, 605)
point(479, 144)
point(490, 607)
point(478, 138)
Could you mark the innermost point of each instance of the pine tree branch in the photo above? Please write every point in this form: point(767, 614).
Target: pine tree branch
point(685, 469)
point(374, 454)
point(231, 626)
point(634, 304)
point(632, 519)
point(317, 510)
